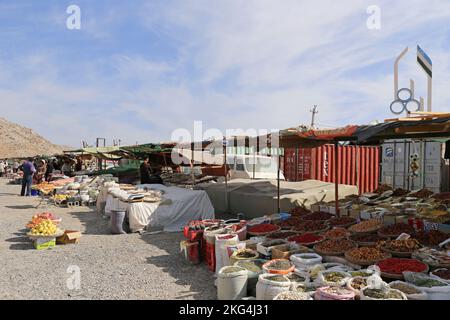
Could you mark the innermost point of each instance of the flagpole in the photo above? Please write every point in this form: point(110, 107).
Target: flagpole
point(429, 94)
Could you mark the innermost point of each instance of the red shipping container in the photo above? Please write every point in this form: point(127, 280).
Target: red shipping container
point(357, 165)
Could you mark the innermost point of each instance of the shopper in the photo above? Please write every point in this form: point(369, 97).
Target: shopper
point(145, 171)
point(16, 166)
point(2, 168)
point(28, 171)
point(48, 173)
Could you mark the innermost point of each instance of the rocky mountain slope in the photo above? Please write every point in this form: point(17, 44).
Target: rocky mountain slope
point(18, 141)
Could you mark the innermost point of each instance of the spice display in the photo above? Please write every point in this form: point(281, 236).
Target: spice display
point(399, 192)
point(431, 238)
point(306, 238)
point(272, 243)
point(290, 223)
point(231, 269)
point(305, 288)
point(422, 194)
point(296, 278)
point(396, 229)
point(318, 216)
point(334, 276)
point(342, 221)
point(337, 233)
point(251, 265)
point(383, 188)
point(360, 273)
point(292, 295)
point(281, 234)
point(428, 282)
point(407, 245)
point(358, 283)
point(263, 228)
point(405, 288)
point(432, 257)
point(246, 253)
point(277, 278)
point(442, 273)
point(334, 246)
point(382, 294)
point(398, 265)
point(310, 226)
point(299, 211)
point(366, 238)
point(334, 293)
point(366, 226)
point(365, 254)
point(278, 266)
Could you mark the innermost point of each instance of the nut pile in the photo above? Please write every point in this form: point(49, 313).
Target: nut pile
point(310, 226)
point(431, 238)
point(366, 238)
point(397, 229)
point(336, 233)
point(407, 245)
point(335, 246)
point(358, 283)
point(318, 216)
point(366, 254)
point(422, 194)
point(281, 234)
point(342, 221)
point(366, 226)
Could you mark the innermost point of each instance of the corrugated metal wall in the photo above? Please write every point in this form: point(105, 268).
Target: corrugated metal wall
point(357, 165)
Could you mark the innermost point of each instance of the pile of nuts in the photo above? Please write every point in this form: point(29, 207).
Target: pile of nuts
point(342, 221)
point(407, 245)
point(310, 226)
point(431, 238)
point(397, 229)
point(335, 246)
point(318, 216)
point(336, 233)
point(366, 226)
point(366, 254)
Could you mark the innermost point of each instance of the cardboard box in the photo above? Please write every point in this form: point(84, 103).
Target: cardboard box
point(44, 243)
point(69, 236)
point(284, 251)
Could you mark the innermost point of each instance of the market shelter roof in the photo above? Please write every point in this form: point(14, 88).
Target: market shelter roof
point(143, 150)
point(105, 153)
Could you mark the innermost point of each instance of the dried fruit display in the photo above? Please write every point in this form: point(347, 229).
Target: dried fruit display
point(341, 221)
point(366, 226)
point(422, 194)
point(431, 238)
point(407, 245)
point(365, 254)
point(334, 246)
point(396, 229)
point(399, 265)
point(318, 216)
point(311, 226)
point(337, 233)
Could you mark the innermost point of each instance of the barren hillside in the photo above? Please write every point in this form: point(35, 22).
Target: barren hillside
point(18, 141)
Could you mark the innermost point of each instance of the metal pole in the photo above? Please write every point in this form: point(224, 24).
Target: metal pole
point(254, 163)
point(278, 184)
point(226, 173)
point(336, 184)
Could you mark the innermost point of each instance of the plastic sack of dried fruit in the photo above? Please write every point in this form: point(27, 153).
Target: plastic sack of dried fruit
point(377, 289)
point(436, 289)
point(411, 292)
point(332, 278)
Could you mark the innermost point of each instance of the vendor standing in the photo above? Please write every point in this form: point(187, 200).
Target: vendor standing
point(16, 166)
point(48, 173)
point(28, 170)
point(145, 171)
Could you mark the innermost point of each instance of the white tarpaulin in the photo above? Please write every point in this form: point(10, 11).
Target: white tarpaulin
point(255, 198)
point(178, 207)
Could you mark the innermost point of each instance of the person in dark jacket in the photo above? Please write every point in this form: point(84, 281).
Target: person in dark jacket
point(28, 170)
point(48, 173)
point(145, 171)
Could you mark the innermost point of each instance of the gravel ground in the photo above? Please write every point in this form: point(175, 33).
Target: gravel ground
point(127, 266)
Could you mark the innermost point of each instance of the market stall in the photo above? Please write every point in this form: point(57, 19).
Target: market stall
point(157, 205)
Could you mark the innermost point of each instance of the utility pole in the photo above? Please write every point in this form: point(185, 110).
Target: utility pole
point(313, 111)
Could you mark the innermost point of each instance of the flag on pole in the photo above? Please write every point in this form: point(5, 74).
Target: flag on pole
point(425, 62)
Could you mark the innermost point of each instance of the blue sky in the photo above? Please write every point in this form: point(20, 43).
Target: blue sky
point(138, 70)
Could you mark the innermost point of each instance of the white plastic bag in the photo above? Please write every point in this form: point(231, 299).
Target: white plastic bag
point(375, 282)
point(441, 292)
point(221, 243)
point(411, 296)
point(267, 289)
point(232, 286)
point(305, 260)
point(322, 281)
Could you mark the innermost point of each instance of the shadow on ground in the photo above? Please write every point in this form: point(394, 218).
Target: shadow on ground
point(21, 242)
point(93, 223)
point(197, 277)
point(26, 206)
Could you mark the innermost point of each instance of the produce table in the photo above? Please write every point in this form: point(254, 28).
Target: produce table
point(179, 206)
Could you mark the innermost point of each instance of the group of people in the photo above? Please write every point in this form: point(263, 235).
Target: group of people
point(36, 171)
point(148, 175)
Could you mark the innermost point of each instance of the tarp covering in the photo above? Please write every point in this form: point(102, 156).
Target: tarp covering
point(255, 198)
point(180, 206)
